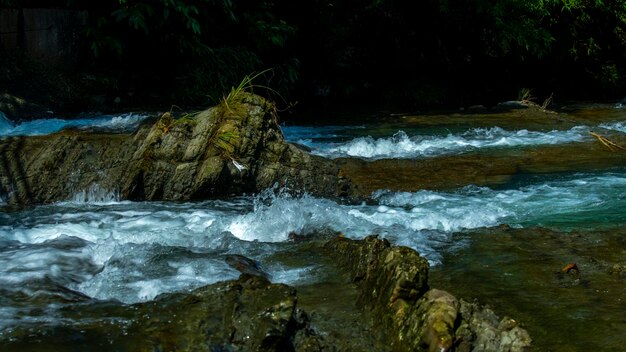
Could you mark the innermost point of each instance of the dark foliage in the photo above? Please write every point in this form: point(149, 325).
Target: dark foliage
point(405, 53)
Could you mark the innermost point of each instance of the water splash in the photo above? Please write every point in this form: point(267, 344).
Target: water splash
point(401, 145)
point(616, 126)
point(95, 194)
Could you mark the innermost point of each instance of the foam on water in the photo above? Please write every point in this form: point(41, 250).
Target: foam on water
point(401, 145)
point(615, 126)
point(136, 253)
point(133, 252)
point(544, 204)
point(143, 278)
point(60, 260)
point(95, 194)
point(118, 123)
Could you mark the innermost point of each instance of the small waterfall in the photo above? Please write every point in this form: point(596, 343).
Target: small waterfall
point(96, 194)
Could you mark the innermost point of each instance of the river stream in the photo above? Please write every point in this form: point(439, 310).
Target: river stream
point(96, 246)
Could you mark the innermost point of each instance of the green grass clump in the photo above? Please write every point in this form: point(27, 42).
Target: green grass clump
point(246, 85)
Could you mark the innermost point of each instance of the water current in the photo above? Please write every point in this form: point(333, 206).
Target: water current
point(113, 123)
point(97, 246)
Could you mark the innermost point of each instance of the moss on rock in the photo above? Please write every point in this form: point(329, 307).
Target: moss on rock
point(212, 153)
point(393, 283)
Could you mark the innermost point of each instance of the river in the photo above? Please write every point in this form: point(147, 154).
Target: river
point(503, 243)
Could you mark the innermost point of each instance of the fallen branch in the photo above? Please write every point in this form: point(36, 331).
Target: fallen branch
point(607, 143)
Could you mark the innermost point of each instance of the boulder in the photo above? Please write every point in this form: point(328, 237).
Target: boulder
point(228, 149)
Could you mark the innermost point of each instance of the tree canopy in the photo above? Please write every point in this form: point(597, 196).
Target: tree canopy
point(429, 52)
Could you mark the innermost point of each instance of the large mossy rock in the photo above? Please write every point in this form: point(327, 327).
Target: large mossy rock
point(393, 283)
point(228, 149)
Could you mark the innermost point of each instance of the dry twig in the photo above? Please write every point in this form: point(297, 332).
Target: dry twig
point(607, 143)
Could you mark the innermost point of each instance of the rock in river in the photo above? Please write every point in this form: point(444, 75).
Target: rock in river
point(228, 149)
point(393, 283)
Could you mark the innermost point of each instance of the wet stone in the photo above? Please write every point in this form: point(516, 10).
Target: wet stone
point(371, 296)
point(245, 265)
point(216, 152)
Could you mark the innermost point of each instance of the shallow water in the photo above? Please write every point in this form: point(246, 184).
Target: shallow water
point(95, 248)
point(519, 272)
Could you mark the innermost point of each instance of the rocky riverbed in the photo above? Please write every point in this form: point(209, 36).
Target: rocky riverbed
point(218, 231)
point(371, 296)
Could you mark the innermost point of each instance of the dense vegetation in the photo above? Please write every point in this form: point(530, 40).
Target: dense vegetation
point(409, 53)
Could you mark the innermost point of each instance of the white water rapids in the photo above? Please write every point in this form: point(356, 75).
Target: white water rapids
point(134, 251)
point(330, 142)
point(99, 247)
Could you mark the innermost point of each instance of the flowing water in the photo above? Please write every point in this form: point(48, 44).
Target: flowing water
point(95, 246)
point(112, 123)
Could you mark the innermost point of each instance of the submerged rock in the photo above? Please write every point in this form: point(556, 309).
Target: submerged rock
point(245, 265)
point(220, 151)
point(450, 172)
point(393, 284)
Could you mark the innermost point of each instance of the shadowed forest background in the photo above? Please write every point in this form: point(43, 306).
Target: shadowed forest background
point(324, 54)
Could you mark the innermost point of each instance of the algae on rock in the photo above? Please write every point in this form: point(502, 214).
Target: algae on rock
point(393, 282)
